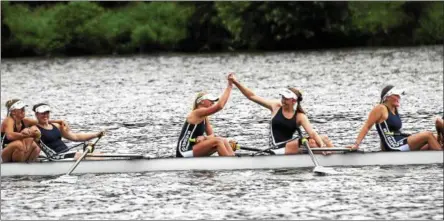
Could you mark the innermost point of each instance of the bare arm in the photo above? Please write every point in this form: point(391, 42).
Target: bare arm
point(68, 134)
point(8, 126)
point(32, 122)
point(253, 97)
point(209, 129)
point(374, 117)
point(202, 112)
point(304, 122)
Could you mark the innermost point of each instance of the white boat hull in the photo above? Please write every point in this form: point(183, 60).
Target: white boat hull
point(220, 163)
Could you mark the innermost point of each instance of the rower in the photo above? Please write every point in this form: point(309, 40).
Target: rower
point(439, 125)
point(197, 123)
point(388, 124)
point(287, 116)
point(17, 139)
point(51, 135)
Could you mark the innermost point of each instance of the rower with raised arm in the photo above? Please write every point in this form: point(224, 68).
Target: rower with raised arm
point(198, 123)
point(388, 124)
point(286, 116)
point(17, 139)
point(51, 134)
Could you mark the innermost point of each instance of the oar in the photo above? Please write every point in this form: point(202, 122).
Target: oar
point(239, 147)
point(273, 147)
point(318, 169)
point(88, 149)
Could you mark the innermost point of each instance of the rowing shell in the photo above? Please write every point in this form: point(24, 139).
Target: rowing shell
point(131, 164)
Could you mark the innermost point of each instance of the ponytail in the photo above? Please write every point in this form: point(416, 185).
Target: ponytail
point(299, 108)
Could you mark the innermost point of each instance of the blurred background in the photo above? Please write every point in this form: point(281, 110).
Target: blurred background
point(115, 27)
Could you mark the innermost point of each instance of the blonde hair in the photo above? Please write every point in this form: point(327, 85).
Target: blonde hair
point(200, 94)
point(299, 94)
point(8, 105)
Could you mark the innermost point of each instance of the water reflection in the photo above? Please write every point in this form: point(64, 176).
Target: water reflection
point(142, 102)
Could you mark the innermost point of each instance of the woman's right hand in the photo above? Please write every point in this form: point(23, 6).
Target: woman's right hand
point(26, 132)
point(231, 77)
point(200, 139)
point(353, 147)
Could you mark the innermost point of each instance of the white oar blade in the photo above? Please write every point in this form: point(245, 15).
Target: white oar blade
point(323, 171)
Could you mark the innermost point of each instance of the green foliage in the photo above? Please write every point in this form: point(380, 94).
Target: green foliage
point(159, 22)
point(230, 14)
point(257, 23)
point(373, 17)
point(26, 30)
point(81, 27)
point(432, 24)
point(71, 22)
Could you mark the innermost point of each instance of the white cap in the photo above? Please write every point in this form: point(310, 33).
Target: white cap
point(208, 97)
point(43, 108)
point(288, 94)
point(393, 91)
point(17, 105)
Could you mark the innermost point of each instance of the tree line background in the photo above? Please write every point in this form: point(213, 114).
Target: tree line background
point(112, 27)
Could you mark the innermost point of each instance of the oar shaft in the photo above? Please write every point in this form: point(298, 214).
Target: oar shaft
point(73, 167)
point(313, 158)
point(253, 149)
point(88, 149)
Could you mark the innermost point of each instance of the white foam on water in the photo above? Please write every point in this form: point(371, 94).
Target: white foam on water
point(62, 179)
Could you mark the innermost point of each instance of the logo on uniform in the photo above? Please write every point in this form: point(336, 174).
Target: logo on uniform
point(185, 142)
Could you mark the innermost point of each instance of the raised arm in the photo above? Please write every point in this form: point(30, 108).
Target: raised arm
point(209, 128)
point(252, 96)
point(305, 123)
point(374, 117)
point(217, 106)
point(68, 134)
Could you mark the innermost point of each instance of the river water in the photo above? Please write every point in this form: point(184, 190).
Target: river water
point(142, 101)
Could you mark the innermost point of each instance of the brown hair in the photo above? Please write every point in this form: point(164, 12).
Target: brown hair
point(299, 94)
point(385, 91)
point(9, 103)
point(200, 94)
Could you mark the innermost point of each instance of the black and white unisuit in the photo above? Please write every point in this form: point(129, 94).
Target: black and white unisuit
point(189, 131)
point(390, 134)
point(281, 131)
point(5, 141)
point(52, 145)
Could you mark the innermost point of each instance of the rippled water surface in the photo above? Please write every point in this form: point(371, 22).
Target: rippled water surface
point(142, 101)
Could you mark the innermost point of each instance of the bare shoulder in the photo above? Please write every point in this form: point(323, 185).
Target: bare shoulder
point(30, 121)
point(301, 117)
point(56, 125)
point(8, 120)
point(275, 105)
point(5, 123)
point(193, 117)
point(380, 108)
